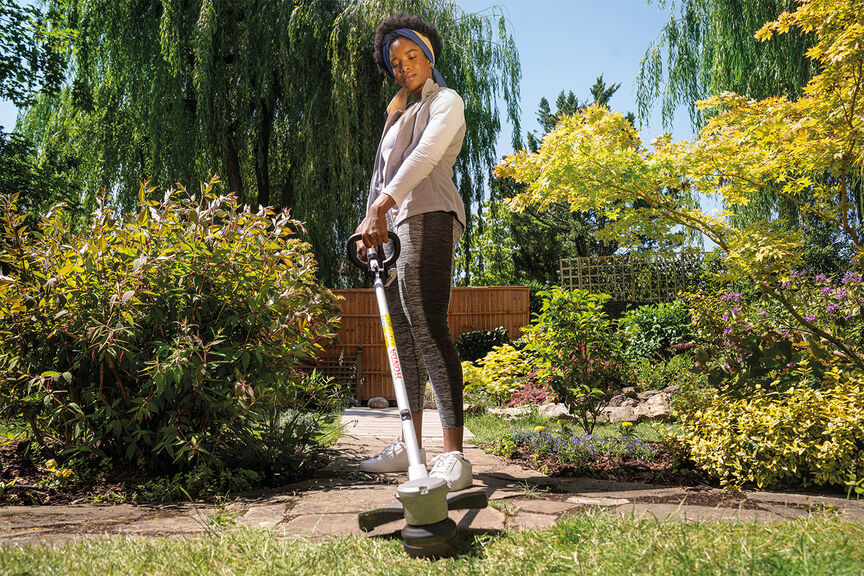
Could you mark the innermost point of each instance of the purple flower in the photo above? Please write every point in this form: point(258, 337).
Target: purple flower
point(831, 308)
point(736, 309)
point(763, 313)
point(851, 277)
point(786, 284)
point(731, 296)
point(825, 290)
point(842, 293)
point(810, 318)
point(727, 331)
point(725, 317)
point(789, 364)
point(821, 278)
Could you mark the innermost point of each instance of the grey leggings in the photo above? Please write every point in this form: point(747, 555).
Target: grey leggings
point(418, 304)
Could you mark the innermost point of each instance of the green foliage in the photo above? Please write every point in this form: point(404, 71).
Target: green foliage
point(799, 437)
point(170, 338)
point(33, 45)
point(653, 374)
point(576, 342)
point(39, 183)
point(497, 374)
point(648, 331)
point(746, 338)
point(801, 150)
point(707, 47)
point(472, 346)
point(282, 99)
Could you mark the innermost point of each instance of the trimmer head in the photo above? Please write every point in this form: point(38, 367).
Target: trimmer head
point(428, 532)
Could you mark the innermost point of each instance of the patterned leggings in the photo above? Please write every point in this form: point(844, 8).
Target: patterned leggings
point(418, 304)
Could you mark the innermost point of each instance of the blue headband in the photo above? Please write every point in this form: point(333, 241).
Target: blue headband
point(421, 42)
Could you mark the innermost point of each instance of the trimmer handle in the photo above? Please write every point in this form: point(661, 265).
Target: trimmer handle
point(351, 247)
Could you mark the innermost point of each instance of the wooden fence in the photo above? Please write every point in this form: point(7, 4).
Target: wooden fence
point(632, 279)
point(471, 308)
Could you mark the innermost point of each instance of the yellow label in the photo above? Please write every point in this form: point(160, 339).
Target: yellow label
point(388, 331)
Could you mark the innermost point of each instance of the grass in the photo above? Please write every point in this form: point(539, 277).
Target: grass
point(591, 543)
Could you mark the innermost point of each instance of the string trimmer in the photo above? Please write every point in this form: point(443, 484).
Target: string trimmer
point(424, 502)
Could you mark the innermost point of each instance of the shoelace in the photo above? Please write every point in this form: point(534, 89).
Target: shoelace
point(444, 463)
point(390, 449)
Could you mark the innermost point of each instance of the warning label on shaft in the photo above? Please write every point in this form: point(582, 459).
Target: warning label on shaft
point(388, 331)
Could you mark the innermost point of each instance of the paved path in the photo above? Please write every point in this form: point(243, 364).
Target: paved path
point(328, 505)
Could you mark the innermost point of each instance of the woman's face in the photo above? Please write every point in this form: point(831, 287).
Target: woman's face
point(411, 68)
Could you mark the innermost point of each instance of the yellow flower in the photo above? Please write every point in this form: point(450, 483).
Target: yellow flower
point(563, 421)
point(626, 424)
point(539, 429)
point(51, 464)
point(66, 473)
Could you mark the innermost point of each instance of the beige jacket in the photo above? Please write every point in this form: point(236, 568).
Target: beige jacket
point(419, 172)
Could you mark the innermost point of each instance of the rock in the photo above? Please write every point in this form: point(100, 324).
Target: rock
point(614, 415)
point(655, 407)
point(378, 402)
point(672, 390)
point(553, 410)
point(643, 396)
point(616, 401)
point(629, 391)
point(583, 501)
point(510, 412)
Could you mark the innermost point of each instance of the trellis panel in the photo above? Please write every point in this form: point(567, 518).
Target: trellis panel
point(628, 278)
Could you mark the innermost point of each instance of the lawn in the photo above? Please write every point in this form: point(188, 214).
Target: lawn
point(592, 543)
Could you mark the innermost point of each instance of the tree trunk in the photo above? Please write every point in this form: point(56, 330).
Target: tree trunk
point(232, 165)
point(262, 155)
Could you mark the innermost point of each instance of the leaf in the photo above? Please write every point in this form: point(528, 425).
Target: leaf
point(127, 296)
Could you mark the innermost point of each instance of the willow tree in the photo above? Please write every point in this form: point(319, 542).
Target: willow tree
point(282, 99)
point(708, 47)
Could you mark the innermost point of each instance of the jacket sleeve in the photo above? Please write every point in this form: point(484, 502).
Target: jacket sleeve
point(446, 117)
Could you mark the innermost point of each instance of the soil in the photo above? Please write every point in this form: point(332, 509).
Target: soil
point(667, 468)
point(32, 483)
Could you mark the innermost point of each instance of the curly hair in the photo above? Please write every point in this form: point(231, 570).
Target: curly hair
point(403, 20)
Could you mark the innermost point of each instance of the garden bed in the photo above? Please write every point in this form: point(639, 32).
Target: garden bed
point(665, 468)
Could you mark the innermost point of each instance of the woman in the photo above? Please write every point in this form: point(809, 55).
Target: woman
point(412, 193)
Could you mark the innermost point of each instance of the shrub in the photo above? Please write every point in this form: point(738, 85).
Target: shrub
point(679, 371)
point(746, 339)
point(796, 437)
point(576, 341)
point(169, 337)
point(472, 346)
point(649, 331)
point(497, 374)
point(535, 390)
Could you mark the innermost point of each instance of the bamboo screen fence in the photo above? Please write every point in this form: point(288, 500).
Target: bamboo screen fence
point(632, 279)
point(471, 308)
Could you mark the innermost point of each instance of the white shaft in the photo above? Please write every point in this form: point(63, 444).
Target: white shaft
point(416, 469)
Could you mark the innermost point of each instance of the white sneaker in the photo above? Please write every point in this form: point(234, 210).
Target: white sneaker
point(394, 458)
point(453, 468)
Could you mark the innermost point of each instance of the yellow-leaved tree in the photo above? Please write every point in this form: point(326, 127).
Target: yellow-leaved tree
point(806, 150)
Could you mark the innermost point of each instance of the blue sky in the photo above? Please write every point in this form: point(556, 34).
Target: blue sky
point(565, 45)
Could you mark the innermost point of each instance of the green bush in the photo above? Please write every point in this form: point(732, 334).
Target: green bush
point(575, 342)
point(680, 370)
point(796, 437)
point(498, 374)
point(169, 338)
point(472, 346)
point(649, 331)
